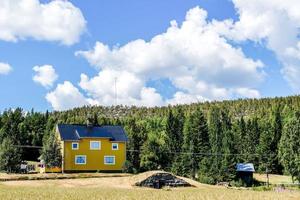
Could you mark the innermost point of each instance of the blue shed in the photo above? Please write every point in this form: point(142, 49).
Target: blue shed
point(245, 172)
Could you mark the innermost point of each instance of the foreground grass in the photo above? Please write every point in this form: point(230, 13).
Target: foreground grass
point(91, 193)
point(49, 176)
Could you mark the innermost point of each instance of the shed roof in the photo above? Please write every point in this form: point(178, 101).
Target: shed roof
point(76, 132)
point(245, 167)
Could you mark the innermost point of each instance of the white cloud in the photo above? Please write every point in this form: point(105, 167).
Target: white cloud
point(195, 57)
point(5, 68)
point(45, 75)
point(57, 20)
point(272, 23)
point(67, 96)
point(249, 93)
point(184, 98)
point(129, 89)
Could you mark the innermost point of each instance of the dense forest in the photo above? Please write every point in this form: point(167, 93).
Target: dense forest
point(203, 141)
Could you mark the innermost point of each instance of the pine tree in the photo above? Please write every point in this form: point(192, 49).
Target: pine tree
point(241, 141)
point(174, 131)
point(289, 147)
point(51, 151)
point(267, 155)
point(10, 156)
point(251, 142)
point(153, 155)
point(228, 164)
point(215, 138)
point(136, 136)
point(196, 141)
point(277, 132)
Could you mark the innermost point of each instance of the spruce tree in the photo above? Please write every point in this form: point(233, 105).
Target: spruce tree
point(10, 156)
point(215, 138)
point(174, 131)
point(196, 141)
point(277, 132)
point(251, 142)
point(266, 154)
point(51, 151)
point(136, 136)
point(289, 147)
point(228, 163)
point(153, 155)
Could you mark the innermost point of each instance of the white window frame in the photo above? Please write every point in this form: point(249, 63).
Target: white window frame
point(110, 163)
point(112, 146)
point(80, 156)
point(95, 148)
point(77, 145)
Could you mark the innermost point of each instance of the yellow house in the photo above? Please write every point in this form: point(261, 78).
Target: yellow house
point(92, 148)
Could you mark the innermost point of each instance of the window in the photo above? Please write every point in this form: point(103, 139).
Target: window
point(80, 160)
point(75, 145)
point(109, 160)
point(115, 146)
point(95, 145)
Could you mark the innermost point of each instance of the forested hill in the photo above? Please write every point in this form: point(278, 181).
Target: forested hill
point(203, 140)
point(246, 108)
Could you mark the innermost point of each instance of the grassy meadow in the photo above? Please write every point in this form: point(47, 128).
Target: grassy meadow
point(121, 188)
point(90, 193)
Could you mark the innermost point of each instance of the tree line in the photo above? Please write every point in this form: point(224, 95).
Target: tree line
point(203, 141)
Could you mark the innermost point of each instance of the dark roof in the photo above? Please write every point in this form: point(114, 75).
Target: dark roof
point(245, 167)
point(76, 132)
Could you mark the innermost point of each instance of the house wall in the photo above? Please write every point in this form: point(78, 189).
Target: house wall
point(94, 158)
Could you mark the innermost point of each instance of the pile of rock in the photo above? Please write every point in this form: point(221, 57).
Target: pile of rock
point(162, 179)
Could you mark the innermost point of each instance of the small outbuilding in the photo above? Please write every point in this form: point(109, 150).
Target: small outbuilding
point(245, 172)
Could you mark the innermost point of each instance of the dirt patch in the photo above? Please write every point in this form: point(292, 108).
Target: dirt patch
point(103, 180)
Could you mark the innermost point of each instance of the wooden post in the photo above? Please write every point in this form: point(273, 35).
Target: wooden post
point(267, 172)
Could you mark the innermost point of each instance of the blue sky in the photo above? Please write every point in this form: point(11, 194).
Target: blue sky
point(151, 82)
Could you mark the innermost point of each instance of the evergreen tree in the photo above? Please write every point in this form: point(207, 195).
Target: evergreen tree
point(251, 142)
point(215, 138)
point(174, 131)
point(289, 148)
point(10, 156)
point(11, 120)
point(277, 132)
point(228, 164)
point(136, 136)
point(153, 154)
point(196, 141)
point(51, 152)
point(266, 154)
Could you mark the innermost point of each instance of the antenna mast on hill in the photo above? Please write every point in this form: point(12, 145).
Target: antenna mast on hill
point(116, 97)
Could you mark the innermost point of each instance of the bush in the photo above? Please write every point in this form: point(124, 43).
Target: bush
point(128, 168)
point(10, 156)
point(206, 180)
point(238, 183)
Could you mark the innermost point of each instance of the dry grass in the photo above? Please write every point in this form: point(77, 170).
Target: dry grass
point(274, 179)
point(38, 176)
point(121, 188)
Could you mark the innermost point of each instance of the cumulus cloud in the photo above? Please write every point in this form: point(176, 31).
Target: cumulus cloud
point(57, 20)
point(67, 96)
point(194, 56)
point(246, 92)
point(45, 75)
point(272, 23)
point(124, 87)
point(5, 68)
